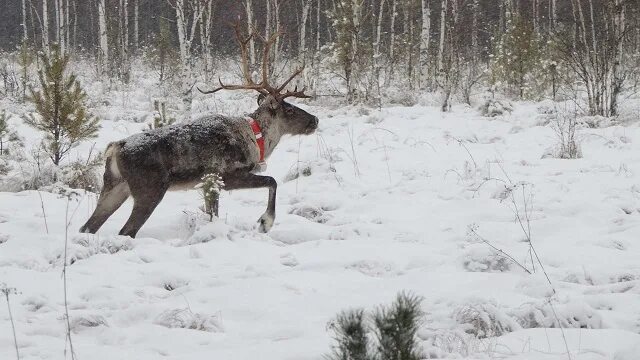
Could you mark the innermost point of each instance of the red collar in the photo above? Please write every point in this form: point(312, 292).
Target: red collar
point(259, 138)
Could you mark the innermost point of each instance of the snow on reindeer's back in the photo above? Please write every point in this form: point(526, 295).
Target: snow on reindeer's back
point(194, 132)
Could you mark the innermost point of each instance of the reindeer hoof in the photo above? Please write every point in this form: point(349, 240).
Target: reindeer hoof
point(266, 222)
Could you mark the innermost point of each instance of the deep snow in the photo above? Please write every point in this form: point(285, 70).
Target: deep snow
point(377, 202)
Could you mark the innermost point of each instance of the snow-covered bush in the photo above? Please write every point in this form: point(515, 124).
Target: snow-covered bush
point(186, 319)
point(310, 212)
point(572, 314)
point(210, 189)
point(484, 319)
point(84, 246)
point(11, 145)
point(4, 130)
point(83, 174)
point(87, 321)
point(396, 96)
point(480, 258)
point(494, 107)
point(442, 343)
point(564, 125)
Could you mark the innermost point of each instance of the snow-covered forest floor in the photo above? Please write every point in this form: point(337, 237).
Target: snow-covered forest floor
point(377, 202)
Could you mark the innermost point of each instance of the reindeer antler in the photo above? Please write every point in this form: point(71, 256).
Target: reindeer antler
point(263, 87)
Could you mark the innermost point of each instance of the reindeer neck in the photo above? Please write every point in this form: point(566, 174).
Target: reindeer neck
point(270, 130)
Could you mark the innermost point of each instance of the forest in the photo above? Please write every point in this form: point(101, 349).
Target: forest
point(527, 49)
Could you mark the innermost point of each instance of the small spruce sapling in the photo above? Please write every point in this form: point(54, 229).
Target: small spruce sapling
point(350, 334)
point(396, 328)
point(25, 60)
point(211, 186)
point(60, 107)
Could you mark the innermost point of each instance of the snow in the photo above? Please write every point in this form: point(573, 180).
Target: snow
point(379, 201)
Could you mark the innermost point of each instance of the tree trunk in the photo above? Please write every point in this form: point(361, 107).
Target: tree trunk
point(124, 39)
point(276, 45)
point(136, 25)
point(60, 25)
point(45, 25)
point(187, 95)
point(443, 30)
point(206, 39)
point(75, 24)
point(392, 42)
point(25, 34)
point(554, 14)
point(425, 40)
point(186, 35)
point(302, 46)
point(67, 26)
point(248, 5)
point(103, 35)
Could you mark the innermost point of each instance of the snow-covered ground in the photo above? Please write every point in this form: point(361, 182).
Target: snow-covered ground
point(387, 200)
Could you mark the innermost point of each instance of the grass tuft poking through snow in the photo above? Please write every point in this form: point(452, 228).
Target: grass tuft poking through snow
point(186, 319)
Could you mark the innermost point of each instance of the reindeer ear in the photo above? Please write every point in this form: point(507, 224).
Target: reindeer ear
point(261, 99)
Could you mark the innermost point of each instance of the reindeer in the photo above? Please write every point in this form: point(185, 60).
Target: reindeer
point(146, 165)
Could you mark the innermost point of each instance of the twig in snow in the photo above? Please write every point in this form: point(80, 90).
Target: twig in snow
point(44, 214)
point(353, 158)
point(472, 230)
point(8, 291)
point(64, 282)
point(461, 143)
point(524, 220)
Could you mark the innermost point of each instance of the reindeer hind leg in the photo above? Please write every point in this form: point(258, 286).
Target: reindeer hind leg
point(143, 206)
point(110, 200)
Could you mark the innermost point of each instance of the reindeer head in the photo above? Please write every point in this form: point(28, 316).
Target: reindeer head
point(271, 105)
point(290, 119)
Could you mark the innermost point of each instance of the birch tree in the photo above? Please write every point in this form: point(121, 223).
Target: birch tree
point(188, 17)
point(136, 24)
point(443, 28)
point(391, 52)
point(103, 53)
point(248, 6)
point(594, 52)
point(302, 46)
point(45, 24)
point(425, 40)
point(25, 34)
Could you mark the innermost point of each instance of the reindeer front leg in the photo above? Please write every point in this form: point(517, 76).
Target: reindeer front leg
point(246, 180)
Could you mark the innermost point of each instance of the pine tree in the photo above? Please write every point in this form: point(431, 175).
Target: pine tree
point(351, 336)
point(59, 104)
point(518, 58)
point(211, 186)
point(25, 59)
point(397, 327)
